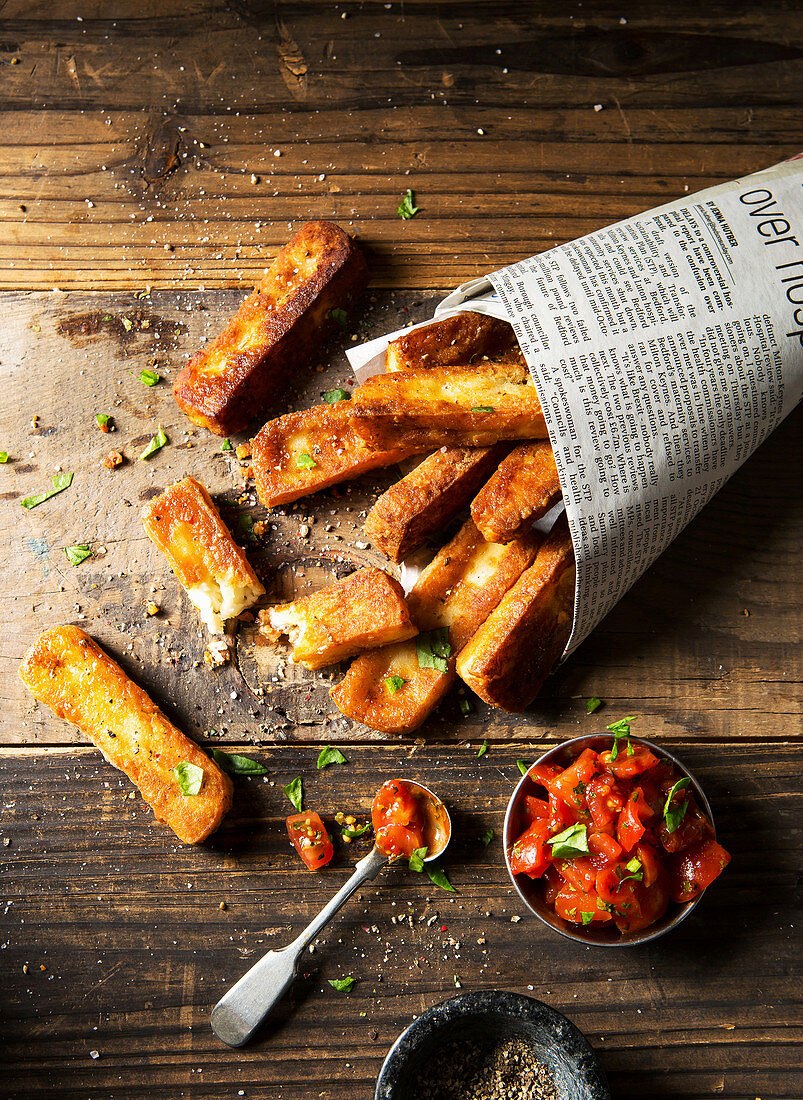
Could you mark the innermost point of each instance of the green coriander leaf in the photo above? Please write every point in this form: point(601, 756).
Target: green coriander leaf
point(586, 918)
point(60, 483)
point(190, 777)
point(619, 730)
point(305, 461)
point(438, 876)
point(394, 683)
point(482, 408)
point(407, 208)
point(339, 316)
point(77, 554)
point(487, 837)
point(332, 397)
point(673, 815)
point(342, 985)
point(102, 419)
point(523, 768)
point(226, 445)
point(635, 868)
point(569, 844)
point(330, 755)
point(156, 444)
point(433, 649)
point(238, 765)
point(295, 792)
point(127, 325)
point(353, 831)
point(149, 377)
point(465, 706)
point(3, 456)
point(594, 703)
point(481, 751)
point(417, 859)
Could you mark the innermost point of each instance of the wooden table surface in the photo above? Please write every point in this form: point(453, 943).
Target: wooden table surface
point(152, 159)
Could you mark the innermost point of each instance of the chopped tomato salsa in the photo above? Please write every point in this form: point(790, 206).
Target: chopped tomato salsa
point(310, 839)
point(614, 837)
point(399, 819)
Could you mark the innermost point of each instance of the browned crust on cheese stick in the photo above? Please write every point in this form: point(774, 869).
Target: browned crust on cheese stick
point(457, 591)
point(513, 652)
point(429, 496)
point(324, 433)
point(276, 331)
point(452, 340)
point(523, 489)
point(361, 611)
point(69, 672)
point(444, 407)
point(186, 526)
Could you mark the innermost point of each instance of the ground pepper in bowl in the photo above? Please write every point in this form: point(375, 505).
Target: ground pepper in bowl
point(491, 1068)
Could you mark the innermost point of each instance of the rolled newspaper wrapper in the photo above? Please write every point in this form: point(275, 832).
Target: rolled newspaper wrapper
point(664, 349)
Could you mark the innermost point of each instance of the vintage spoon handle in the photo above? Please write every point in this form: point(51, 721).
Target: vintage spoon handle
point(239, 1012)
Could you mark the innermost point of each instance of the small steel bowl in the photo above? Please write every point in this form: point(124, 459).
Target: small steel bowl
point(494, 1014)
point(529, 890)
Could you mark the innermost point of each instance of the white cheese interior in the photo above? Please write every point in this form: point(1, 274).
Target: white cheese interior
point(286, 620)
point(217, 601)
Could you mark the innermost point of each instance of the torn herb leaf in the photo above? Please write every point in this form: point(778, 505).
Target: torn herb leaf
point(673, 815)
point(481, 751)
point(487, 837)
point(226, 445)
point(77, 554)
point(190, 777)
point(295, 792)
point(394, 683)
point(594, 703)
point(570, 843)
point(149, 377)
point(339, 316)
point(433, 649)
point(60, 483)
point(416, 860)
point(330, 755)
point(342, 985)
point(332, 397)
point(619, 730)
point(438, 876)
point(156, 444)
point(407, 208)
point(238, 765)
point(305, 461)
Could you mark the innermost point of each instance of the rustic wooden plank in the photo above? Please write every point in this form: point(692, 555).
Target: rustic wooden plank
point(134, 959)
point(679, 649)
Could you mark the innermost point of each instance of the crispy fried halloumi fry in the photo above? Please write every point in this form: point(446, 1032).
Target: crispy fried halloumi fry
point(513, 652)
point(364, 610)
point(276, 330)
point(462, 338)
point(444, 407)
point(428, 497)
point(302, 452)
point(523, 489)
point(69, 672)
point(186, 526)
point(395, 689)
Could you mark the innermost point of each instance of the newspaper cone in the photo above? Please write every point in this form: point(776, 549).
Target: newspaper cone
point(664, 350)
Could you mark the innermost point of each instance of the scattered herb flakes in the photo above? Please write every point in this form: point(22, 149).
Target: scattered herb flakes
point(3, 456)
point(394, 683)
point(339, 316)
point(190, 777)
point(417, 859)
point(126, 323)
point(238, 765)
point(330, 755)
point(332, 397)
point(586, 918)
point(481, 751)
point(522, 766)
point(465, 706)
point(434, 650)
point(487, 837)
point(593, 704)
point(570, 843)
point(305, 461)
point(673, 815)
point(156, 444)
point(149, 377)
point(619, 730)
point(226, 445)
point(342, 985)
point(482, 408)
point(354, 831)
point(77, 554)
point(438, 876)
point(407, 208)
point(295, 792)
point(103, 420)
point(60, 483)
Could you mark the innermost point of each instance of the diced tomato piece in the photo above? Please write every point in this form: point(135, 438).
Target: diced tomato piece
point(692, 829)
point(650, 906)
point(561, 814)
point(630, 827)
point(610, 887)
point(310, 839)
point(694, 869)
point(626, 766)
point(553, 884)
point(574, 905)
point(601, 844)
point(580, 872)
point(604, 799)
point(650, 867)
point(530, 854)
point(399, 821)
point(570, 785)
point(544, 774)
point(535, 809)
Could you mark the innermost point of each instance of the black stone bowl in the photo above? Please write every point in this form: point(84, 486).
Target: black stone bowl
point(529, 890)
point(554, 1040)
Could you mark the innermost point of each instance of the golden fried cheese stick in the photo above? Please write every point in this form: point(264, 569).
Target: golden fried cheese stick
point(465, 338)
point(69, 672)
point(523, 489)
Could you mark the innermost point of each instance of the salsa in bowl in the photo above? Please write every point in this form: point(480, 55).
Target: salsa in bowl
point(610, 840)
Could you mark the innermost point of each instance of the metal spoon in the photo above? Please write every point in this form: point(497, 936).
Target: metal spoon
point(239, 1012)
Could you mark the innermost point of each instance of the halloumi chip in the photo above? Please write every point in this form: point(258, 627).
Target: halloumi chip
point(515, 649)
point(395, 689)
point(186, 526)
point(276, 331)
point(444, 407)
point(462, 338)
point(523, 489)
point(424, 501)
point(69, 672)
point(361, 611)
point(302, 452)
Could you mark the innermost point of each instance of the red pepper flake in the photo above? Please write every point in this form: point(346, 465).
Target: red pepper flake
point(443, 928)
